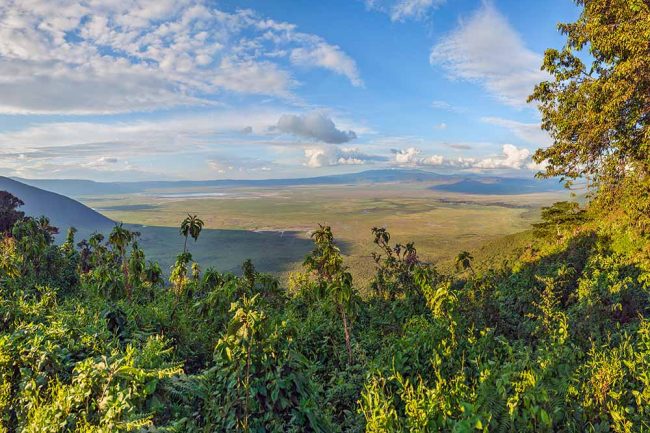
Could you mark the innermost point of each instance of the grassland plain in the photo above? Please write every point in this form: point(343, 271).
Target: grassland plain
point(272, 225)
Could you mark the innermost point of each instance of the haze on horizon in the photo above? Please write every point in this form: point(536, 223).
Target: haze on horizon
point(165, 89)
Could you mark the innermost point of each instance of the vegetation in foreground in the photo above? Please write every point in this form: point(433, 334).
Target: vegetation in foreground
point(93, 340)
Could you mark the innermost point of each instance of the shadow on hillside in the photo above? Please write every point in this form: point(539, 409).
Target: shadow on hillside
point(225, 250)
point(596, 311)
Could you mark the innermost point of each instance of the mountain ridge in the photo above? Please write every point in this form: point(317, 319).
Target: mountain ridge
point(64, 212)
point(81, 187)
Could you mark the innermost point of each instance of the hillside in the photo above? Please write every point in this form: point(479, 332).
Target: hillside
point(63, 212)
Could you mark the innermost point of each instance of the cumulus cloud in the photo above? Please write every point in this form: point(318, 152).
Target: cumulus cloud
point(402, 10)
point(406, 156)
point(315, 126)
point(322, 156)
point(511, 158)
point(412, 156)
point(86, 57)
point(485, 49)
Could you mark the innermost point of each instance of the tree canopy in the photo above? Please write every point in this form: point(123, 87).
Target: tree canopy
point(9, 212)
point(596, 103)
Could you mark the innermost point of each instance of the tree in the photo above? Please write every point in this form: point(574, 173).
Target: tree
point(326, 262)
point(120, 238)
point(464, 261)
point(560, 216)
point(49, 231)
point(191, 226)
point(248, 273)
point(8, 213)
point(68, 245)
point(178, 276)
point(153, 274)
point(136, 265)
point(395, 267)
point(598, 114)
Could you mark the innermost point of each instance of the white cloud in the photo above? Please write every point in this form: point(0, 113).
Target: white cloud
point(407, 156)
point(441, 125)
point(485, 49)
point(329, 57)
point(132, 136)
point(178, 143)
point(222, 165)
point(401, 10)
point(104, 161)
point(446, 106)
point(320, 156)
point(404, 9)
point(411, 156)
point(512, 158)
point(329, 155)
point(93, 57)
point(314, 125)
point(48, 149)
point(530, 132)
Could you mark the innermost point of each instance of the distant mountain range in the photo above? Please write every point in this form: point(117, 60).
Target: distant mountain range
point(500, 186)
point(78, 188)
point(472, 184)
point(62, 211)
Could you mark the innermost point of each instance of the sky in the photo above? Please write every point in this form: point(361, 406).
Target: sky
point(189, 89)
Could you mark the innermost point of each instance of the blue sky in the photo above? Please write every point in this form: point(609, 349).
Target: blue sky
point(162, 89)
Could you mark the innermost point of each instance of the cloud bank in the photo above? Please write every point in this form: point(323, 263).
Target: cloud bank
point(511, 158)
point(90, 57)
point(323, 156)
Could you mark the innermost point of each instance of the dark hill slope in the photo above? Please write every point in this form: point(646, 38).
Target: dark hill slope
point(62, 211)
point(77, 187)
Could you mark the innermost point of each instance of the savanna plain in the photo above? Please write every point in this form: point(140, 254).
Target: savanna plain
point(272, 226)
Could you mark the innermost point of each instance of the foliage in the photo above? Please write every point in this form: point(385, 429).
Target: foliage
point(557, 341)
point(597, 112)
point(464, 261)
point(9, 214)
point(332, 278)
point(395, 267)
point(191, 226)
point(558, 218)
